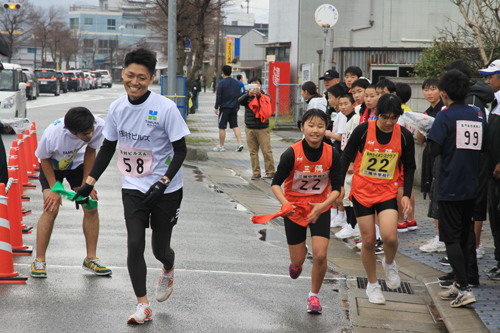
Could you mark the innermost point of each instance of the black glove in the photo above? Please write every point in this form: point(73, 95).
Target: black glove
point(84, 191)
point(81, 202)
point(154, 194)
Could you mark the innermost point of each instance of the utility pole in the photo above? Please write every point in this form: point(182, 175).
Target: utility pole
point(217, 46)
point(248, 4)
point(172, 49)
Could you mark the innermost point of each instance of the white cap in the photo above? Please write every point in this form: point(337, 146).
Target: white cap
point(494, 67)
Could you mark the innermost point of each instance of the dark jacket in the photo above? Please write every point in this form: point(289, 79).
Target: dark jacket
point(428, 161)
point(479, 95)
point(251, 121)
point(228, 92)
point(196, 88)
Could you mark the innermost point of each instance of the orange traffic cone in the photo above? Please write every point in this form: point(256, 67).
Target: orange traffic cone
point(27, 152)
point(7, 272)
point(14, 163)
point(34, 146)
point(22, 162)
point(16, 234)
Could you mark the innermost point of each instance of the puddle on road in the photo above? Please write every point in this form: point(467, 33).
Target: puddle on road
point(199, 177)
point(273, 237)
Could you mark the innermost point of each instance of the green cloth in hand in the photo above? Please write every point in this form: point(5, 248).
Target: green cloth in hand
point(59, 189)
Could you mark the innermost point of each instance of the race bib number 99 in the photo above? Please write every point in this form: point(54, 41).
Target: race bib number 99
point(378, 165)
point(469, 134)
point(135, 162)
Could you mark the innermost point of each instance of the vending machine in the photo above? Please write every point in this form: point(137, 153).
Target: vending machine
point(279, 73)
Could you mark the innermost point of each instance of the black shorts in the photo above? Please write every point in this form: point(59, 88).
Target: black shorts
point(482, 191)
point(360, 210)
point(455, 218)
point(74, 177)
point(163, 215)
point(296, 234)
point(228, 115)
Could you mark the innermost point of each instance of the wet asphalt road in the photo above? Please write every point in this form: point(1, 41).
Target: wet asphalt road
point(226, 279)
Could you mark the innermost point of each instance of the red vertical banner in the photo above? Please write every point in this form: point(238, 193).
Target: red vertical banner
point(279, 73)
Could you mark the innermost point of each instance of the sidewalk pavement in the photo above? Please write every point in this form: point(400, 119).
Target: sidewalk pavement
point(421, 310)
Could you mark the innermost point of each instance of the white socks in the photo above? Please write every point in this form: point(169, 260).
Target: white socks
point(372, 284)
point(377, 232)
point(341, 214)
point(312, 294)
point(436, 238)
point(334, 213)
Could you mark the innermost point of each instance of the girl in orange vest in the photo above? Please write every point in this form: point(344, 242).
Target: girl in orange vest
point(308, 169)
point(379, 145)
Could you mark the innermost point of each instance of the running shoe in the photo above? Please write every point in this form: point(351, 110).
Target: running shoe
point(464, 297)
point(359, 245)
point(480, 251)
point(450, 293)
point(444, 261)
point(94, 266)
point(338, 222)
point(38, 269)
point(142, 313)
point(379, 248)
point(402, 227)
point(294, 271)
point(433, 246)
point(446, 284)
point(494, 275)
point(447, 277)
point(412, 225)
point(219, 148)
point(165, 285)
point(347, 231)
point(492, 270)
point(357, 239)
point(392, 278)
point(240, 147)
point(374, 294)
point(254, 177)
point(313, 305)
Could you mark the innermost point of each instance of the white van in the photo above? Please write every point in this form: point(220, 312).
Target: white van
point(12, 92)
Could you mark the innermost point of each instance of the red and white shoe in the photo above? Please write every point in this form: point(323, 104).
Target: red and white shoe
point(141, 315)
point(412, 225)
point(402, 227)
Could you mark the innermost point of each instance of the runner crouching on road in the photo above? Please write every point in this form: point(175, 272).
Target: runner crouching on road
point(150, 132)
point(308, 168)
point(67, 150)
point(380, 144)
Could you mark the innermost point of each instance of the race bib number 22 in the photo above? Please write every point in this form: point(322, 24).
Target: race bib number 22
point(135, 162)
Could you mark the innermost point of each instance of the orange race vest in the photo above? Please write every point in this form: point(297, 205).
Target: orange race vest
point(376, 170)
point(308, 182)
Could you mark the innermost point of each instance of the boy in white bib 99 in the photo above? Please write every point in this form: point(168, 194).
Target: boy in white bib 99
point(67, 150)
point(150, 133)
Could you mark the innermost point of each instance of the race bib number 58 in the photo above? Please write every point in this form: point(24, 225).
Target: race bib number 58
point(469, 134)
point(135, 162)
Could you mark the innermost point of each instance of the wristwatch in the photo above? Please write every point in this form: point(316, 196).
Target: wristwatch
point(165, 181)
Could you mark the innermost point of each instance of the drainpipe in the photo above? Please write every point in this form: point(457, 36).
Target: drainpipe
point(371, 22)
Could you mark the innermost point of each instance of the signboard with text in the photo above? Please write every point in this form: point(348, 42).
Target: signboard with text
point(229, 50)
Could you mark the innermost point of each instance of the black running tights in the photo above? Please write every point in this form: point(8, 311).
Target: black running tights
point(136, 242)
point(457, 254)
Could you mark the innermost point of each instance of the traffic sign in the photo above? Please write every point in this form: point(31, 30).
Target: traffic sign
point(187, 42)
point(12, 8)
point(187, 50)
point(326, 16)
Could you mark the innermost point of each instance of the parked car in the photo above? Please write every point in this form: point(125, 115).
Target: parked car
point(47, 80)
point(12, 92)
point(31, 89)
point(63, 82)
point(107, 79)
point(98, 77)
point(74, 82)
point(34, 86)
point(89, 79)
point(81, 78)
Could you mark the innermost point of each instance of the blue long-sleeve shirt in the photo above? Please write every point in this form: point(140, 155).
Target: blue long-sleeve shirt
point(228, 92)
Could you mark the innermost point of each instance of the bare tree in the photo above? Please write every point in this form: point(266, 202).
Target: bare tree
point(69, 46)
point(483, 18)
point(59, 32)
point(42, 27)
point(15, 25)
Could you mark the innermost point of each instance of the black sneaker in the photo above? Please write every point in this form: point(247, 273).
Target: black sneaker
point(447, 277)
point(379, 249)
point(446, 284)
point(444, 261)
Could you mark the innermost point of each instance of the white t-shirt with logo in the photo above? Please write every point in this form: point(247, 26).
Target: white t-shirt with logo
point(66, 150)
point(145, 133)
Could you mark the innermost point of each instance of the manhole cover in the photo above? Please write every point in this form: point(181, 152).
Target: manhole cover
point(238, 186)
point(404, 289)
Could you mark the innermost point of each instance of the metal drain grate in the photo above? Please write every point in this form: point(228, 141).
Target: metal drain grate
point(279, 222)
point(404, 289)
point(238, 186)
